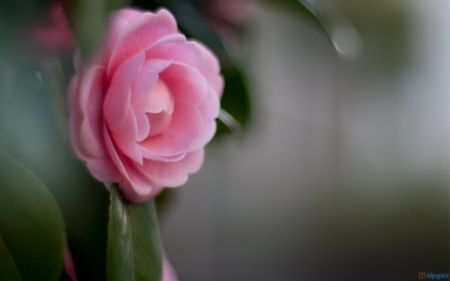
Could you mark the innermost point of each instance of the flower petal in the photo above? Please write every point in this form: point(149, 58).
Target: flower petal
point(160, 98)
point(159, 122)
point(137, 187)
point(146, 79)
point(176, 49)
point(152, 156)
point(139, 34)
point(91, 97)
point(177, 138)
point(185, 83)
point(113, 153)
point(125, 137)
point(115, 29)
point(209, 108)
point(173, 174)
point(103, 169)
point(209, 67)
point(117, 99)
point(143, 126)
point(140, 193)
point(127, 14)
point(130, 149)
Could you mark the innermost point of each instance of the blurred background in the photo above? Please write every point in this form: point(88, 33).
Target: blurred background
point(343, 173)
point(331, 160)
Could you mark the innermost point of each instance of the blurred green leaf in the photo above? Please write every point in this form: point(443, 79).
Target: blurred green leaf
point(295, 6)
point(85, 209)
point(31, 136)
point(164, 200)
point(300, 9)
point(235, 100)
point(31, 224)
point(117, 4)
point(65, 277)
point(89, 19)
point(8, 269)
point(134, 247)
point(13, 15)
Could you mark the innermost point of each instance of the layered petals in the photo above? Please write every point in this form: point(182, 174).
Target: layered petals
point(118, 97)
point(140, 33)
point(143, 109)
point(183, 130)
point(173, 174)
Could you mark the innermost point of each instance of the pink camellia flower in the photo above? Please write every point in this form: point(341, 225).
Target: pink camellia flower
point(142, 111)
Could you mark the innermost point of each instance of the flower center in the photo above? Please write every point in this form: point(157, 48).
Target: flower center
point(160, 108)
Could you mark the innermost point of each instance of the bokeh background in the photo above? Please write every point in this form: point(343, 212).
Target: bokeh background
point(343, 173)
point(339, 172)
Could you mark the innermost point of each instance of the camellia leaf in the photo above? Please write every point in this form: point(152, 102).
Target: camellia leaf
point(31, 136)
point(134, 247)
point(8, 269)
point(32, 235)
point(89, 19)
point(304, 9)
point(235, 100)
point(295, 6)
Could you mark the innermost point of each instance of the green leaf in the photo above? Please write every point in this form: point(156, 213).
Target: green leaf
point(235, 100)
point(295, 6)
point(8, 269)
point(89, 19)
point(117, 4)
point(31, 225)
point(301, 9)
point(134, 247)
point(31, 137)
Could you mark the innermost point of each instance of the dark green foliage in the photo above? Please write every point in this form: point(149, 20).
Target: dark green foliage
point(32, 236)
point(134, 247)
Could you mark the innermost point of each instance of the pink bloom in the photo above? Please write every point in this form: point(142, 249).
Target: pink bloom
point(142, 111)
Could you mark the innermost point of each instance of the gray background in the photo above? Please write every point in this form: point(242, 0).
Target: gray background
point(343, 173)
